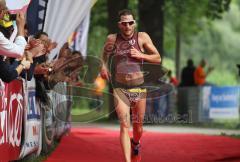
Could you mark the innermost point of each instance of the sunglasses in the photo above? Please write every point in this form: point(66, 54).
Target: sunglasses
point(129, 23)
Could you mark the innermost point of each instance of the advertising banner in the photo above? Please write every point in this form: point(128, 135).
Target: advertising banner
point(35, 16)
point(11, 114)
point(61, 108)
point(224, 103)
point(32, 122)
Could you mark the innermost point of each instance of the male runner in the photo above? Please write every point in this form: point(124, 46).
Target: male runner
point(123, 56)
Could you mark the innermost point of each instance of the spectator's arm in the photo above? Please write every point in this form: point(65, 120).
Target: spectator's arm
point(10, 49)
point(30, 72)
point(8, 72)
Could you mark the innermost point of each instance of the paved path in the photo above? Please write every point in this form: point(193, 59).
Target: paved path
point(166, 129)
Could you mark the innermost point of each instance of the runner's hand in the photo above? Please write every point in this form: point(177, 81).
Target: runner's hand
point(105, 74)
point(136, 54)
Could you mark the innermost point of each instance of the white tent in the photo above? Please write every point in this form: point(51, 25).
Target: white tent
point(63, 17)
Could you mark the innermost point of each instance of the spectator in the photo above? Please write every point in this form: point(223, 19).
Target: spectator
point(11, 68)
point(42, 69)
point(67, 67)
point(172, 80)
point(11, 72)
point(200, 75)
point(8, 48)
point(187, 76)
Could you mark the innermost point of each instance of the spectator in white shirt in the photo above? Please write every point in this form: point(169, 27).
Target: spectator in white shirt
point(12, 49)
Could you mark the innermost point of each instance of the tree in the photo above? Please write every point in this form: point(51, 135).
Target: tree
point(113, 7)
point(151, 20)
point(185, 16)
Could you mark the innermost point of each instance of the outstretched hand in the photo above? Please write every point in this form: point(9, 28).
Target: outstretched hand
point(20, 20)
point(35, 47)
point(50, 45)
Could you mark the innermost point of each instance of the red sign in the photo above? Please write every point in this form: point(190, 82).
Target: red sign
point(11, 115)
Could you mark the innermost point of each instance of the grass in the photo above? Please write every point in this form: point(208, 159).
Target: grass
point(233, 135)
point(77, 111)
point(41, 157)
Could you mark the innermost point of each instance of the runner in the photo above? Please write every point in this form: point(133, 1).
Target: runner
point(123, 56)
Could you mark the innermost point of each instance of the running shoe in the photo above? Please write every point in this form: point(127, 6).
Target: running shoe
point(135, 151)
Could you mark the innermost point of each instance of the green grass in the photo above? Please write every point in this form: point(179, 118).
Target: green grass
point(233, 135)
point(41, 157)
point(78, 111)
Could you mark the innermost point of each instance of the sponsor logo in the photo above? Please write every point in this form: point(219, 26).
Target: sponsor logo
point(11, 119)
point(33, 111)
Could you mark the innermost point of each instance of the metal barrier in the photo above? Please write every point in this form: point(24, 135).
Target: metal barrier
point(194, 105)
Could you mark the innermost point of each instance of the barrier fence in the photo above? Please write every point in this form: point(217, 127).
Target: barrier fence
point(26, 125)
point(29, 126)
point(194, 105)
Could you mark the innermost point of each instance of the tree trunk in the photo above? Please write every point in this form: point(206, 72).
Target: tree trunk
point(113, 7)
point(178, 50)
point(151, 20)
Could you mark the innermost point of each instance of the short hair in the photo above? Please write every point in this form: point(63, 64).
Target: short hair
point(38, 35)
point(125, 12)
point(190, 62)
point(169, 73)
point(77, 53)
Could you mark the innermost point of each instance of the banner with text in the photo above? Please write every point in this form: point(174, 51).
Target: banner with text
point(224, 103)
point(11, 114)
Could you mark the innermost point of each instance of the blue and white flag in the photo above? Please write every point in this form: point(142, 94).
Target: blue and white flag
point(35, 16)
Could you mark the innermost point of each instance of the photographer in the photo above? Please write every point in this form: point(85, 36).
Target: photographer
point(7, 48)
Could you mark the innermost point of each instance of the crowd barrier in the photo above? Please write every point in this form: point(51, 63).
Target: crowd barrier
point(27, 126)
point(194, 105)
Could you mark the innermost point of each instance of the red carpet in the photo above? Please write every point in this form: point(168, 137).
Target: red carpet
point(102, 145)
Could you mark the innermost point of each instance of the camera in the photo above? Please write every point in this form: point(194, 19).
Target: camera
point(12, 17)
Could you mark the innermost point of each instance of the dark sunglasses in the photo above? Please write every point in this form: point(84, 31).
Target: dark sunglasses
point(129, 23)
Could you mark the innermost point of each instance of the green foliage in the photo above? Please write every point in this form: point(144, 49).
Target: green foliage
point(97, 36)
point(219, 44)
point(98, 28)
point(169, 64)
point(217, 41)
point(222, 77)
point(217, 7)
point(184, 14)
point(133, 5)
